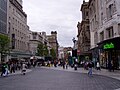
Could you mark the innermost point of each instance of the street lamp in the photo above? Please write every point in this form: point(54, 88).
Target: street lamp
point(74, 41)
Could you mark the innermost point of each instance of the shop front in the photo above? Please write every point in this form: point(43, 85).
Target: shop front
point(109, 53)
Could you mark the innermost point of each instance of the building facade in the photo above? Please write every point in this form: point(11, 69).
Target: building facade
point(94, 24)
point(104, 17)
point(109, 33)
point(18, 31)
point(3, 16)
point(35, 39)
point(52, 39)
point(84, 33)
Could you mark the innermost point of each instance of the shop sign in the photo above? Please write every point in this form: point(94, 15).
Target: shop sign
point(108, 46)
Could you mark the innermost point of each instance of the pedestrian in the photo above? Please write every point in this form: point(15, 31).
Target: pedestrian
point(113, 67)
point(90, 68)
point(3, 69)
point(98, 66)
point(63, 64)
point(66, 65)
point(23, 68)
point(109, 65)
point(12, 69)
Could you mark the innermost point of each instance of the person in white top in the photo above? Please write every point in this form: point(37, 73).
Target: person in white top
point(23, 68)
point(98, 66)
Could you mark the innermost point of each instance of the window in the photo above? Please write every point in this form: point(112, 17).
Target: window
point(110, 32)
point(34, 35)
point(102, 18)
point(86, 13)
point(102, 36)
point(110, 11)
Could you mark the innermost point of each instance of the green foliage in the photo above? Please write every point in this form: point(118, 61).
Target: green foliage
point(42, 50)
point(53, 53)
point(45, 50)
point(4, 45)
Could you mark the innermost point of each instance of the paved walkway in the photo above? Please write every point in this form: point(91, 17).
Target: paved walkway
point(104, 72)
point(19, 72)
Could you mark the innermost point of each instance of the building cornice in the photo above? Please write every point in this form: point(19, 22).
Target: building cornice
point(18, 6)
point(84, 5)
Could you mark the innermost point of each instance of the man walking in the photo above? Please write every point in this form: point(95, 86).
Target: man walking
point(90, 68)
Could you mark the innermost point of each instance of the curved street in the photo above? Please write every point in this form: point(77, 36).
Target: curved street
point(49, 79)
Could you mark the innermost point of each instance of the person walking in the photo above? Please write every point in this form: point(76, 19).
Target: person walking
point(3, 69)
point(23, 68)
point(90, 68)
point(98, 66)
point(66, 64)
point(12, 67)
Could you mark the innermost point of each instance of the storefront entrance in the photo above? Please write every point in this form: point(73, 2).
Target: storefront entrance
point(109, 53)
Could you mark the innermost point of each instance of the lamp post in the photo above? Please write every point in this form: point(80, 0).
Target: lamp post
point(74, 41)
point(74, 51)
point(74, 54)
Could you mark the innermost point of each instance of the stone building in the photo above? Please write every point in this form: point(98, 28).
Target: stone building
point(52, 39)
point(104, 16)
point(94, 25)
point(18, 30)
point(35, 39)
point(84, 32)
point(38, 38)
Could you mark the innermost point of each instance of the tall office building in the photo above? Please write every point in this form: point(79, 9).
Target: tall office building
point(3, 16)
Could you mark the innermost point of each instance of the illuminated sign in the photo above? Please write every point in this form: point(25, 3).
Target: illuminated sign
point(108, 46)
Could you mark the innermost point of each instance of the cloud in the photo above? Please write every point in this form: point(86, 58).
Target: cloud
point(54, 15)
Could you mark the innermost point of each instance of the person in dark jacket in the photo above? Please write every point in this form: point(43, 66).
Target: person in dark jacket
point(3, 69)
point(90, 68)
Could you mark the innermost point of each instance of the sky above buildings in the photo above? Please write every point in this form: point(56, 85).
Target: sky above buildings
point(54, 15)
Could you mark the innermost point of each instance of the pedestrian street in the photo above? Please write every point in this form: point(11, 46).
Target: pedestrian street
point(51, 79)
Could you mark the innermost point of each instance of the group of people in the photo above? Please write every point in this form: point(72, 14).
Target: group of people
point(11, 67)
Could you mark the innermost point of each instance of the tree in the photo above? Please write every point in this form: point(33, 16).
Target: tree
point(4, 45)
point(42, 50)
point(53, 53)
point(45, 51)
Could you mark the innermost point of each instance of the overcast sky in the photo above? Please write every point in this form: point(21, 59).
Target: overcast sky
point(54, 15)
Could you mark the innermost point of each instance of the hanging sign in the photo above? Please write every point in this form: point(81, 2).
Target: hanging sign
point(108, 46)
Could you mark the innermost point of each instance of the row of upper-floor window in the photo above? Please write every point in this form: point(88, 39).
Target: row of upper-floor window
point(110, 11)
point(111, 8)
point(36, 36)
point(20, 45)
point(106, 34)
point(18, 33)
point(17, 13)
point(17, 23)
